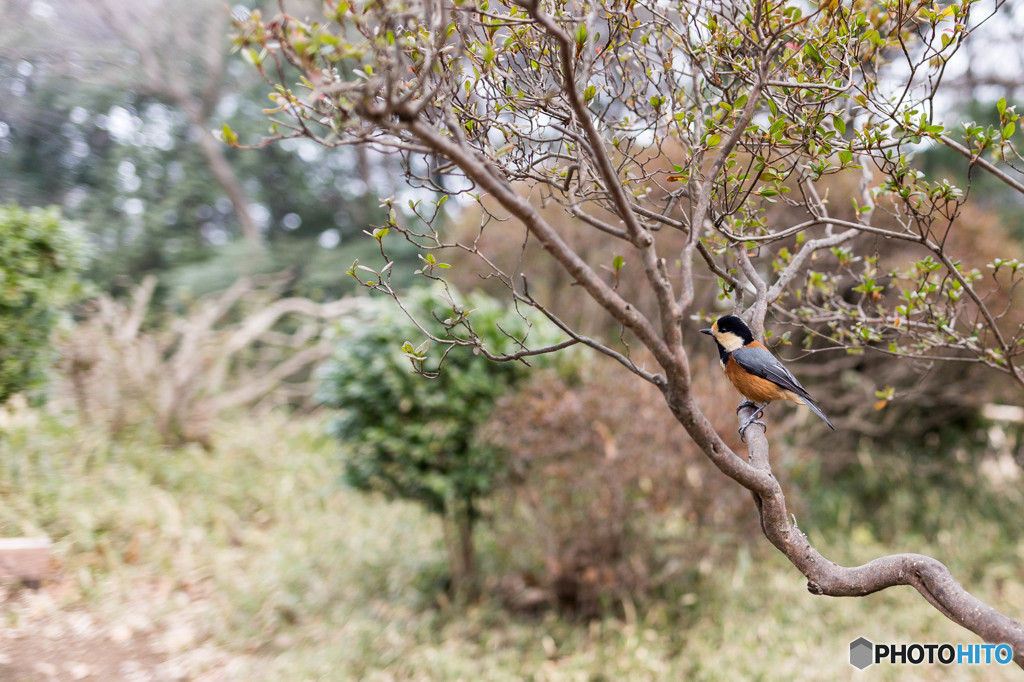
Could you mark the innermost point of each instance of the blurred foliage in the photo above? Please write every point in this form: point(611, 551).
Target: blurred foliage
point(118, 162)
point(414, 436)
point(909, 493)
point(41, 257)
point(129, 167)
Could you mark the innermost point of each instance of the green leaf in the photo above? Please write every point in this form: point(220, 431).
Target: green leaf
point(229, 136)
point(251, 56)
point(581, 34)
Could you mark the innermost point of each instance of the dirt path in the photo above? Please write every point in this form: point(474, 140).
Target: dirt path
point(41, 641)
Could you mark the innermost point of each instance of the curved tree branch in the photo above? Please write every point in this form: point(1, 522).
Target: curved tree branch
point(824, 577)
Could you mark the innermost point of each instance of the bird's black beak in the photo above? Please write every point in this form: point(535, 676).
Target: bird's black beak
point(707, 331)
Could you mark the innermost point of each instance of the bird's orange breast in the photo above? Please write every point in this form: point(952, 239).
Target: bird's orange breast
point(751, 386)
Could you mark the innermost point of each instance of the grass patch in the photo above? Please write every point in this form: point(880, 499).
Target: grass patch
point(256, 550)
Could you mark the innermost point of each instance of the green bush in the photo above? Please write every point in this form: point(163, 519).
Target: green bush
point(41, 256)
point(414, 437)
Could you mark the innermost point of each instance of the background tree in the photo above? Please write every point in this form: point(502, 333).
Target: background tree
point(99, 119)
point(243, 346)
point(416, 439)
point(126, 46)
point(679, 133)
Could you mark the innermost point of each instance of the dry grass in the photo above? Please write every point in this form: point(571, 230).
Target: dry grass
point(251, 562)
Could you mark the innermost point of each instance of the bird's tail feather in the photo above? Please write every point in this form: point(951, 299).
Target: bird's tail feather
point(817, 411)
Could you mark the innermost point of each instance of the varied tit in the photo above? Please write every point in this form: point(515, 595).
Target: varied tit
point(755, 372)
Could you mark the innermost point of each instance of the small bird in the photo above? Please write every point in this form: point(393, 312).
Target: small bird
point(755, 372)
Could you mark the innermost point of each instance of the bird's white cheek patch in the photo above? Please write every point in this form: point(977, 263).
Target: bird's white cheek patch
point(729, 341)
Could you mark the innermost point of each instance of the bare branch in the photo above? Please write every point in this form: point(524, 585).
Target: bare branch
point(928, 576)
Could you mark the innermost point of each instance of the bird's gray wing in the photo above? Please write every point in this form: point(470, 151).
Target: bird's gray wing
point(759, 361)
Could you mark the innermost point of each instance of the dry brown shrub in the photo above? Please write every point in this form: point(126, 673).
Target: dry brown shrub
point(225, 351)
point(609, 496)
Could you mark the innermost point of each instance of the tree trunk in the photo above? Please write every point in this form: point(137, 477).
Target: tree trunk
point(224, 174)
point(458, 529)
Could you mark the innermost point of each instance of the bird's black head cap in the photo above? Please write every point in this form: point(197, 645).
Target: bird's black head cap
point(731, 324)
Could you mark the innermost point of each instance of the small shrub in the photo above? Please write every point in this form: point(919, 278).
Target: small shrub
point(41, 256)
point(413, 437)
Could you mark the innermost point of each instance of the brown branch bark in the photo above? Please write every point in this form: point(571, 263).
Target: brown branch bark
point(262, 385)
point(480, 172)
point(928, 576)
point(670, 312)
point(977, 160)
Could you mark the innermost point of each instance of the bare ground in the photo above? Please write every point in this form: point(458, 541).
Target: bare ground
point(47, 637)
